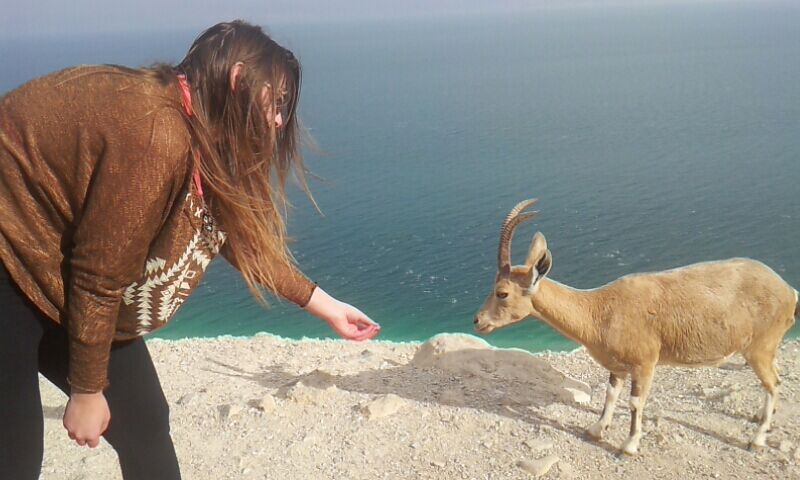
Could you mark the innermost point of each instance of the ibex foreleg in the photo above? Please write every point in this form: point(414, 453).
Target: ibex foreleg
point(615, 383)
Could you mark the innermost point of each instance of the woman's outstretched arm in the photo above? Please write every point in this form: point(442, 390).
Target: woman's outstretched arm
point(346, 320)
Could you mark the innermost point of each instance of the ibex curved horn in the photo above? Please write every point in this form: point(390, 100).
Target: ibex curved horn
point(513, 219)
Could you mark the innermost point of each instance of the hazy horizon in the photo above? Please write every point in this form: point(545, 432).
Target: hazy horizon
point(88, 17)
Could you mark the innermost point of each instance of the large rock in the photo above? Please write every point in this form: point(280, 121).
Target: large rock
point(433, 353)
point(523, 378)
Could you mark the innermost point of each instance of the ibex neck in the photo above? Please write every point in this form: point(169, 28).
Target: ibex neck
point(567, 310)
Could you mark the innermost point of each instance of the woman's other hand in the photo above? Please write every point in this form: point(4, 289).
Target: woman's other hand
point(346, 320)
point(86, 417)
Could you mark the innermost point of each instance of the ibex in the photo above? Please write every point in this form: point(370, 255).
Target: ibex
point(698, 315)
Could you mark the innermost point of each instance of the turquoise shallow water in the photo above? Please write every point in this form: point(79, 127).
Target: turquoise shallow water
point(653, 136)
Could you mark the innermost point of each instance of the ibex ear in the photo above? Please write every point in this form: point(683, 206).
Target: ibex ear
point(537, 250)
point(545, 264)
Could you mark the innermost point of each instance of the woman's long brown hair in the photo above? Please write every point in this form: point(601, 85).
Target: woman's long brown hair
point(244, 159)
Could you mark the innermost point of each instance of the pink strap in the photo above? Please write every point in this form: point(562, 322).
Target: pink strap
point(197, 184)
point(186, 100)
point(186, 94)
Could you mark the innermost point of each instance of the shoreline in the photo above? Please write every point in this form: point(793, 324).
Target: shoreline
point(406, 343)
point(450, 408)
point(793, 335)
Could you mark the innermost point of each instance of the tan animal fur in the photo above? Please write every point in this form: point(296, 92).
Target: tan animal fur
point(696, 315)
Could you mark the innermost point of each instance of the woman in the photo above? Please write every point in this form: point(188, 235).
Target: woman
point(117, 187)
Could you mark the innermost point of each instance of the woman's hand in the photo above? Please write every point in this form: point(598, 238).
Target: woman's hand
point(86, 418)
point(346, 320)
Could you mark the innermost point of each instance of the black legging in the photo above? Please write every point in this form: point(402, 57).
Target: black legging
point(31, 343)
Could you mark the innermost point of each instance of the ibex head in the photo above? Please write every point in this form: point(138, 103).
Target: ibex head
point(510, 300)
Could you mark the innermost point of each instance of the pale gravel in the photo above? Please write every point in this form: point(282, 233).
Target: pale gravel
point(238, 412)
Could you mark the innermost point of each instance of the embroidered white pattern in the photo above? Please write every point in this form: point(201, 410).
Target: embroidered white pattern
point(173, 284)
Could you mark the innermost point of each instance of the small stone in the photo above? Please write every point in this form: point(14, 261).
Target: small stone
point(565, 470)
point(660, 422)
point(575, 395)
point(267, 403)
point(91, 459)
point(538, 467)
point(383, 406)
point(304, 394)
point(187, 399)
point(229, 411)
point(438, 463)
point(538, 444)
point(555, 410)
point(661, 438)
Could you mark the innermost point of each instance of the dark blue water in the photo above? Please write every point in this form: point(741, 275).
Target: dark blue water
point(653, 136)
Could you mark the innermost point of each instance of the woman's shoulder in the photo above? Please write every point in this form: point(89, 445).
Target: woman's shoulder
point(126, 111)
point(78, 79)
point(130, 105)
point(101, 93)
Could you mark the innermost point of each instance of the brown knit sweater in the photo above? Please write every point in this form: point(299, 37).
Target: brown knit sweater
point(100, 223)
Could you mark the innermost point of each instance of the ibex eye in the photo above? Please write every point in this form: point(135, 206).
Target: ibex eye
point(502, 295)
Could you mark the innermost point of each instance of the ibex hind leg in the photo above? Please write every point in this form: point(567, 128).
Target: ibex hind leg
point(771, 346)
point(763, 364)
point(642, 379)
point(758, 417)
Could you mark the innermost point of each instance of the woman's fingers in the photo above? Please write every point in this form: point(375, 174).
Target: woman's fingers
point(86, 418)
point(361, 320)
point(352, 331)
point(366, 333)
point(90, 442)
point(366, 323)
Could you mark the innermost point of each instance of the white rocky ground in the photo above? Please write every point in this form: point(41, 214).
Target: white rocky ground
point(451, 408)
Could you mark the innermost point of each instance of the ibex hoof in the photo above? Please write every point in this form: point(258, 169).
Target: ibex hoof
point(757, 444)
point(631, 447)
point(595, 431)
